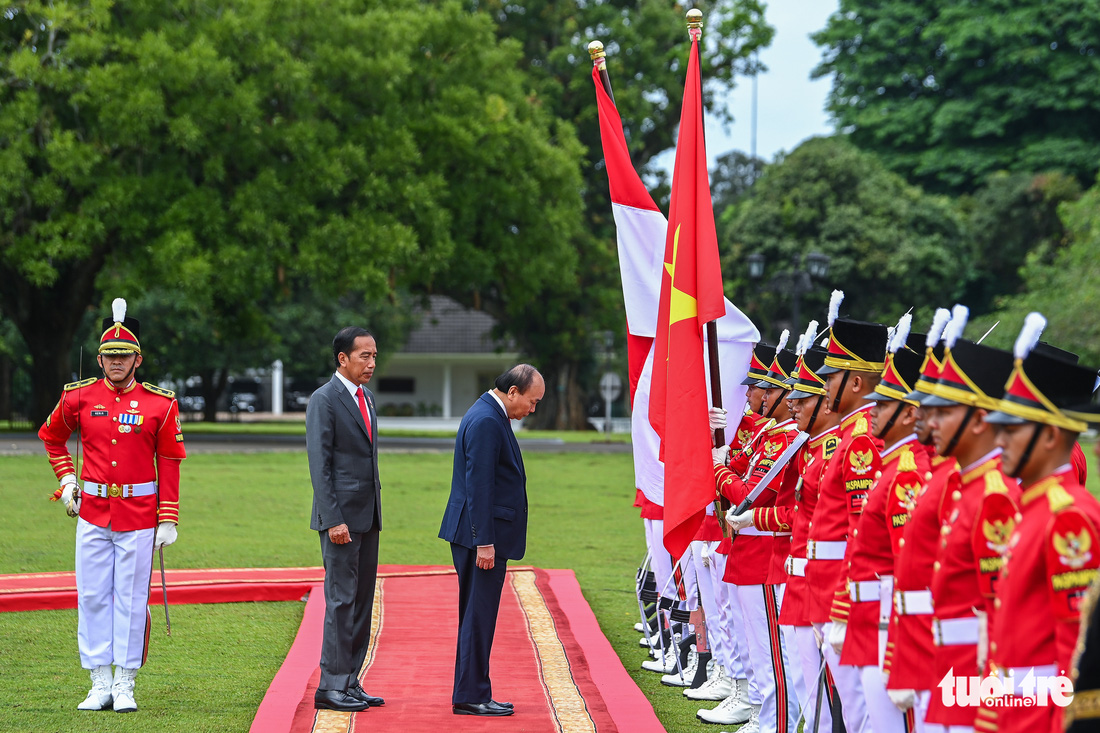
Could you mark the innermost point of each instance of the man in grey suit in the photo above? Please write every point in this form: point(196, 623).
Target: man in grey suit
point(486, 524)
point(341, 436)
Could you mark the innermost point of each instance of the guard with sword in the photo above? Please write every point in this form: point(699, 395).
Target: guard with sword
point(126, 504)
point(758, 578)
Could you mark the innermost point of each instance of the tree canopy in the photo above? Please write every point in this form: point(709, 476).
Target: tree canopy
point(892, 246)
point(948, 92)
point(229, 156)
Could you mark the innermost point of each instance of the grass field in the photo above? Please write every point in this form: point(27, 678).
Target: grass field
point(252, 510)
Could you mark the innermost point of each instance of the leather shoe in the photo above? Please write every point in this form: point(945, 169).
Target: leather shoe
point(503, 704)
point(338, 700)
point(359, 694)
point(481, 708)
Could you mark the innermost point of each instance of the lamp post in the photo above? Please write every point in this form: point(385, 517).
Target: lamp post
point(796, 281)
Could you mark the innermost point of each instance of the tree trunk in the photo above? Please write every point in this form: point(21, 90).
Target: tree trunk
point(6, 372)
point(214, 380)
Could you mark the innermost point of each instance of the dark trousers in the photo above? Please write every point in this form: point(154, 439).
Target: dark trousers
point(350, 573)
point(478, 603)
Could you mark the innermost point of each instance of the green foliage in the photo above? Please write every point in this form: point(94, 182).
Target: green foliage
point(228, 157)
point(892, 247)
point(1063, 286)
point(1011, 216)
point(949, 92)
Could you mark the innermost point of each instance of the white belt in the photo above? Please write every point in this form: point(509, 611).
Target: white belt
point(754, 532)
point(1018, 674)
point(885, 600)
point(864, 590)
point(913, 602)
point(796, 566)
point(955, 631)
point(825, 550)
point(120, 491)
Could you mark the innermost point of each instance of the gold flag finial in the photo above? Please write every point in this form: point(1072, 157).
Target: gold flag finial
point(695, 18)
point(596, 53)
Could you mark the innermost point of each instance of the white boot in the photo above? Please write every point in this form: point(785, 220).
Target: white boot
point(718, 686)
point(99, 697)
point(673, 679)
point(123, 690)
point(753, 726)
point(734, 710)
point(664, 666)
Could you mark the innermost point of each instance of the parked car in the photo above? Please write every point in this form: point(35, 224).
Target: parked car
point(192, 403)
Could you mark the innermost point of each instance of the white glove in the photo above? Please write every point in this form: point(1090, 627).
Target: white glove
point(721, 455)
point(738, 521)
point(903, 699)
point(68, 486)
point(983, 640)
point(717, 419)
point(166, 534)
point(836, 635)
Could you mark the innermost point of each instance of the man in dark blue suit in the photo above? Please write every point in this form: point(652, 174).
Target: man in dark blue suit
point(486, 524)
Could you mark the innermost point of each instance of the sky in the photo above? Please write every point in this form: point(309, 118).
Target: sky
point(790, 106)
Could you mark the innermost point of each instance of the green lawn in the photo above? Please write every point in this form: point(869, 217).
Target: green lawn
point(252, 510)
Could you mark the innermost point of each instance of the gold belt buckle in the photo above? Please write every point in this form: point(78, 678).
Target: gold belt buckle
point(115, 490)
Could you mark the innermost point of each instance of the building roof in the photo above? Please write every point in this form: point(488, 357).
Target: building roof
point(447, 327)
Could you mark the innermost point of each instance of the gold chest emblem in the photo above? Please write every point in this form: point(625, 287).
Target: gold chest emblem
point(861, 461)
point(1074, 549)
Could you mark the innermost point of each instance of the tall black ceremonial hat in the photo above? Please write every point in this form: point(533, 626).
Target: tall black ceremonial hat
point(782, 364)
point(972, 374)
point(1045, 388)
point(856, 346)
point(807, 383)
point(762, 355)
point(933, 357)
point(903, 362)
point(120, 332)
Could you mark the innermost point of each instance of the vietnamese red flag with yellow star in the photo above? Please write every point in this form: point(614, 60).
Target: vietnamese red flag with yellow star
point(691, 295)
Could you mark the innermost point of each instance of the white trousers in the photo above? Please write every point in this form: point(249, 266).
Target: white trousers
point(735, 654)
point(805, 668)
point(768, 657)
point(113, 570)
point(849, 686)
point(702, 557)
point(881, 711)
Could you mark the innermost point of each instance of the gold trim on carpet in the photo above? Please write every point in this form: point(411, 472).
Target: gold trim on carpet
point(566, 701)
point(331, 721)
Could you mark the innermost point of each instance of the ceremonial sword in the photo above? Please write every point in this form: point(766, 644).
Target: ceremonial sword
point(778, 466)
point(164, 594)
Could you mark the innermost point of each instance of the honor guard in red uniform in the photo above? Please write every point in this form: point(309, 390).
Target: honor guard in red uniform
point(879, 532)
point(909, 645)
point(126, 503)
point(750, 561)
point(1054, 552)
point(857, 352)
point(981, 515)
point(813, 417)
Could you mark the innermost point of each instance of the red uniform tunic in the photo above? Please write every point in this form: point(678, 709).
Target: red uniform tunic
point(909, 643)
point(1052, 557)
point(812, 460)
point(879, 531)
point(844, 486)
point(749, 432)
point(981, 517)
point(130, 436)
point(751, 552)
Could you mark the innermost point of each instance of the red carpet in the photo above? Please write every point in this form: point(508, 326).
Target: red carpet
point(549, 658)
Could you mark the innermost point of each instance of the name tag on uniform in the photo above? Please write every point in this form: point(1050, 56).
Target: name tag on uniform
point(99, 413)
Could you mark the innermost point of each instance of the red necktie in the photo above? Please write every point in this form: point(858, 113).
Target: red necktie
point(363, 409)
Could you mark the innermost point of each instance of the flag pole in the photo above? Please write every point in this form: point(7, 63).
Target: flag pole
point(599, 60)
point(695, 31)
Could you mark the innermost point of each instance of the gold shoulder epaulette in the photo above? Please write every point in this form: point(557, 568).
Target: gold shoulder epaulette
point(907, 462)
point(995, 483)
point(860, 427)
point(82, 383)
point(159, 390)
point(1059, 498)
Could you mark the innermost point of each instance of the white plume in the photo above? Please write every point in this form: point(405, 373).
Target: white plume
point(959, 315)
point(118, 310)
point(1029, 334)
point(808, 337)
point(939, 322)
point(834, 306)
point(801, 347)
point(824, 342)
point(889, 337)
point(901, 333)
point(783, 338)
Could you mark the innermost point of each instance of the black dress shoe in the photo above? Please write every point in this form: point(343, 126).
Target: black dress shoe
point(338, 700)
point(481, 708)
point(359, 694)
point(502, 704)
